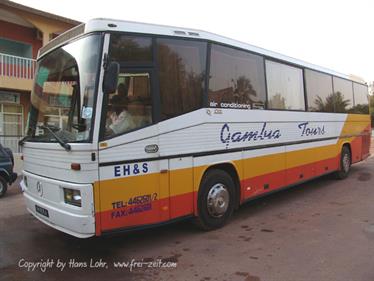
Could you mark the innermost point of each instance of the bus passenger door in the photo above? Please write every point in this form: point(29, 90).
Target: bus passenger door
point(134, 182)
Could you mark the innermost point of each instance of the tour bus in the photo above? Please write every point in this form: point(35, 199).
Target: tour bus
point(135, 125)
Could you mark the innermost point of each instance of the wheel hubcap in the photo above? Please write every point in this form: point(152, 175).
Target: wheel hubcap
point(346, 162)
point(1, 187)
point(218, 200)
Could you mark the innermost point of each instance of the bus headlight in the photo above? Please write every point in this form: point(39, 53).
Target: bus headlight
point(72, 197)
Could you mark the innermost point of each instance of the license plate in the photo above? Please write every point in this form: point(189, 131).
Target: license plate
point(42, 211)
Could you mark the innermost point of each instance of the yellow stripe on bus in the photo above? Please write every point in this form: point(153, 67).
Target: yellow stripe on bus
point(261, 165)
point(355, 124)
point(310, 155)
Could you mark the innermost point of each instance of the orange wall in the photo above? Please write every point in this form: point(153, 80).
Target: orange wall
point(20, 33)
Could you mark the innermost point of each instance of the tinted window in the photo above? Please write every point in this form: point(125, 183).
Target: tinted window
point(343, 95)
point(236, 79)
point(182, 74)
point(124, 48)
point(361, 99)
point(285, 86)
point(319, 91)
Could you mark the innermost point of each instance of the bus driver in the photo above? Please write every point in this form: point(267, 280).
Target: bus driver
point(120, 119)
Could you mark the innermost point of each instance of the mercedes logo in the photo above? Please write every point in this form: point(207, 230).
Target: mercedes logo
point(39, 188)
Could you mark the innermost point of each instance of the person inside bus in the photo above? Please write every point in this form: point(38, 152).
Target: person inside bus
point(123, 92)
point(119, 118)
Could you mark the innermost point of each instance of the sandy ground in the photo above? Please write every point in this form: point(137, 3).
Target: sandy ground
point(322, 230)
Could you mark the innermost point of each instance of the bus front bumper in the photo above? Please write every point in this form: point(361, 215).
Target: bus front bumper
point(51, 209)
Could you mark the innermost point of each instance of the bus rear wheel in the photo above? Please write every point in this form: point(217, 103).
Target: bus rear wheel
point(345, 163)
point(215, 200)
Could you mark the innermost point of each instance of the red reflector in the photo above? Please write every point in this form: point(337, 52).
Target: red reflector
point(75, 166)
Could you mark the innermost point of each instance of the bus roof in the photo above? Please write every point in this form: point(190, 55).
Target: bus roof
point(103, 24)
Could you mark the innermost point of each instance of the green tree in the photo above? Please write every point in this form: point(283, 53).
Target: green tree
point(243, 90)
point(334, 102)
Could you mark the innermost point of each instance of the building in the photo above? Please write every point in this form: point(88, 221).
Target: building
point(23, 30)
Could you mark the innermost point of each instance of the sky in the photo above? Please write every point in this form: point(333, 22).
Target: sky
point(335, 34)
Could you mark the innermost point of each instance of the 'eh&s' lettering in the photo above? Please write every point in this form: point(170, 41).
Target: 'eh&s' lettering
point(130, 169)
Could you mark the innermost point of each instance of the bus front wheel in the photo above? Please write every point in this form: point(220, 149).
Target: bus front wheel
point(345, 163)
point(215, 199)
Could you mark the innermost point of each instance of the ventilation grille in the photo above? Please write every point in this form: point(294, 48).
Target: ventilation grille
point(180, 32)
point(62, 38)
point(193, 34)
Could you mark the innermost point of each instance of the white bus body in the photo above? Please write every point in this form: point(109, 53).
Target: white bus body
point(202, 163)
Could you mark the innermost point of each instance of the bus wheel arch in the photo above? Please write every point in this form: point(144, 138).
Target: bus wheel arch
point(231, 169)
point(345, 161)
point(348, 145)
point(218, 196)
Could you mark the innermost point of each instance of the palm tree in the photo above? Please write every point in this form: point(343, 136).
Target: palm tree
point(243, 91)
point(335, 102)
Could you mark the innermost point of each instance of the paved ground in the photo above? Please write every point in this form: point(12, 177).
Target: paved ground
point(319, 231)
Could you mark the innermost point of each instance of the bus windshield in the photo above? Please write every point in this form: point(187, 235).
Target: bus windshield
point(62, 100)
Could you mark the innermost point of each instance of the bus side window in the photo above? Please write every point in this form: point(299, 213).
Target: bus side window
point(237, 79)
point(130, 108)
point(361, 99)
point(182, 75)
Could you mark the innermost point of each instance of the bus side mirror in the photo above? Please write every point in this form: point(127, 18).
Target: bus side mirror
point(111, 78)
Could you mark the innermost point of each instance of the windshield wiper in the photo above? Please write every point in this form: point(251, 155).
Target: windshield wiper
point(22, 141)
point(59, 140)
point(25, 138)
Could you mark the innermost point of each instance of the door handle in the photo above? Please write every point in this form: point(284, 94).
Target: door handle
point(151, 148)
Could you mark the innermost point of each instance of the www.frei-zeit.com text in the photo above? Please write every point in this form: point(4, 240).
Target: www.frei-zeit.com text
point(59, 264)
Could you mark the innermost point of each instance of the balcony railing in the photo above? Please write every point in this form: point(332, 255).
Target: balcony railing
point(17, 67)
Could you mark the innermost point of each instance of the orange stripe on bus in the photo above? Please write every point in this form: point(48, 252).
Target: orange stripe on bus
point(140, 215)
point(261, 184)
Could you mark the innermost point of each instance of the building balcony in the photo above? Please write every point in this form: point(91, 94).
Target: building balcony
point(16, 72)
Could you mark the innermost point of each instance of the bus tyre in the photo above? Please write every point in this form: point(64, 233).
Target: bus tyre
point(3, 187)
point(345, 163)
point(215, 201)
